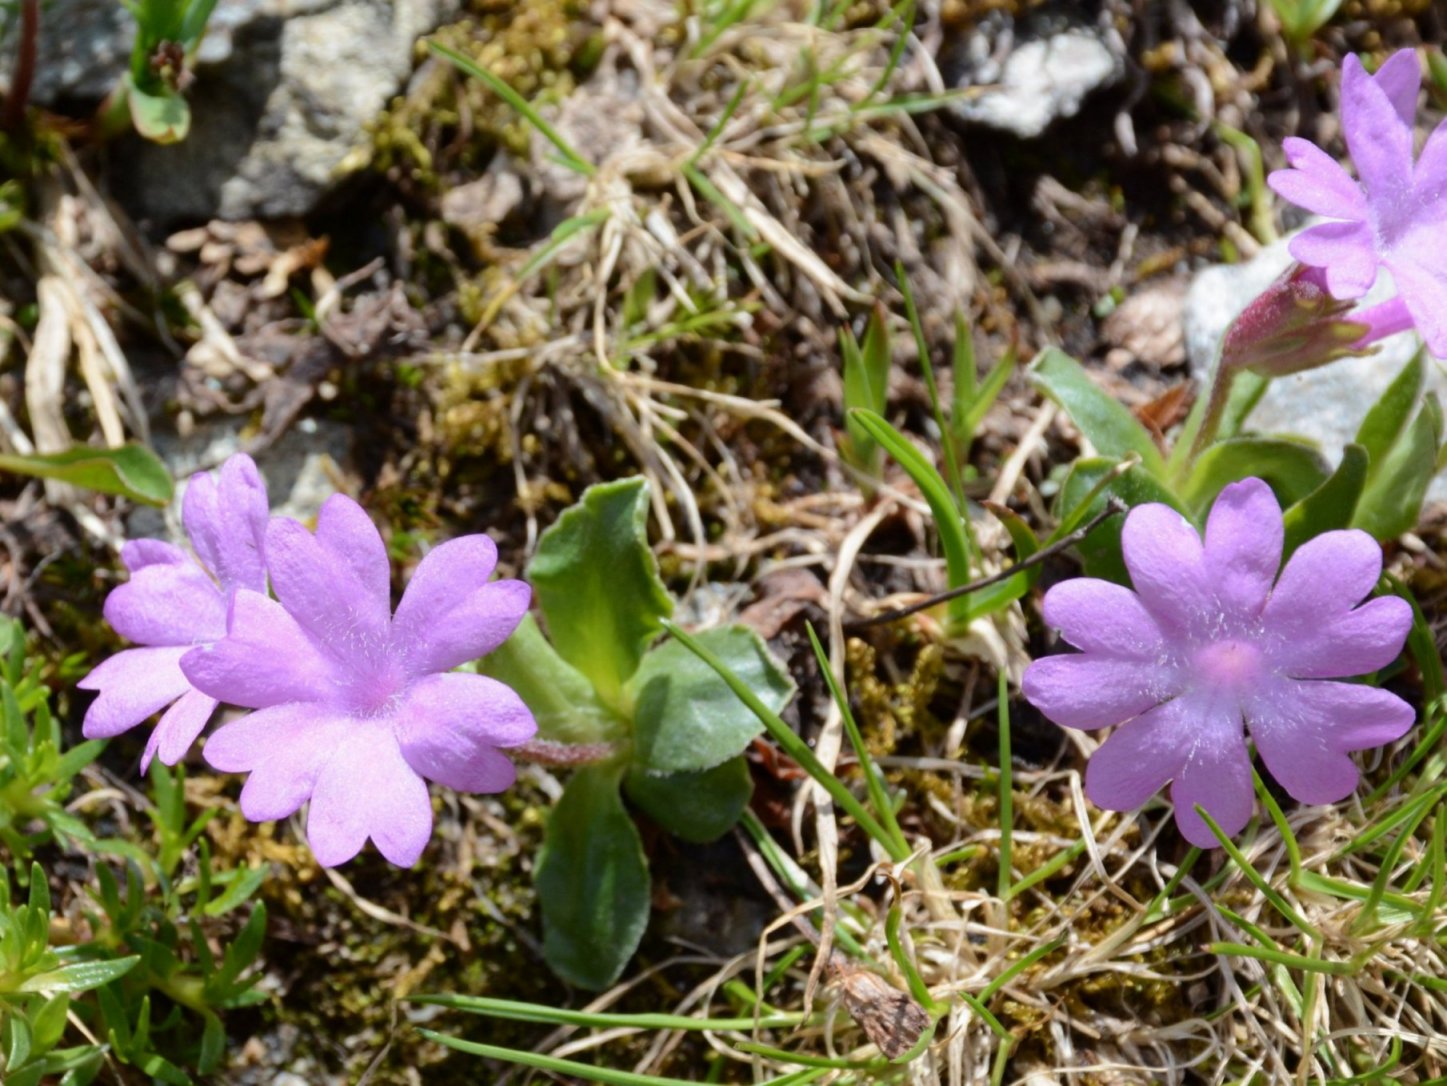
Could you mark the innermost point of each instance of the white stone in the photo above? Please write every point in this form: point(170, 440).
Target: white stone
point(1040, 81)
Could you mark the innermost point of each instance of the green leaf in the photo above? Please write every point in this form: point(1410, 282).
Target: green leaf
point(26, 1076)
point(240, 954)
point(17, 1040)
point(949, 521)
point(213, 1045)
point(1291, 468)
point(48, 1024)
point(132, 471)
point(1084, 493)
point(592, 881)
point(1331, 505)
point(985, 396)
point(866, 383)
point(1397, 483)
point(597, 583)
point(160, 118)
point(1403, 454)
point(77, 758)
point(997, 596)
point(194, 24)
point(1105, 422)
point(560, 697)
point(700, 806)
point(1389, 416)
point(80, 977)
point(244, 882)
point(686, 717)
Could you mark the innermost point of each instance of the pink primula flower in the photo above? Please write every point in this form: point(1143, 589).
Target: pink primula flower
point(1393, 217)
point(171, 604)
point(1211, 640)
point(357, 708)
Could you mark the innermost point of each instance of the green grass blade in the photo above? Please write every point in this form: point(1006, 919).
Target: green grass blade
point(790, 742)
point(1254, 877)
point(948, 521)
point(561, 1016)
point(927, 370)
point(585, 1072)
point(873, 779)
point(1007, 794)
point(570, 157)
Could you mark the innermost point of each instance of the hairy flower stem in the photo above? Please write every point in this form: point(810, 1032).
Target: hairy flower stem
point(1218, 396)
point(19, 97)
point(549, 753)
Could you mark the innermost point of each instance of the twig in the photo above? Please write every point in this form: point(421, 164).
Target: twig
point(1113, 505)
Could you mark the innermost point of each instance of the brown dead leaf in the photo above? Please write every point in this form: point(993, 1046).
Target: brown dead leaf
point(783, 594)
point(891, 1019)
point(1165, 410)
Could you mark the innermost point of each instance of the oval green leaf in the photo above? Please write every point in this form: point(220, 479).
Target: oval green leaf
point(1291, 468)
point(597, 583)
point(698, 807)
point(1104, 420)
point(132, 471)
point(686, 717)
point(592, 881)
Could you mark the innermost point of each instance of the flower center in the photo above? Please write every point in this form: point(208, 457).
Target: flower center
point(374, 692)
point(1232, 665)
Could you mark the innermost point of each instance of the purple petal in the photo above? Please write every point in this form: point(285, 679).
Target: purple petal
point(1102, 618)
point(329, 581)
point(366, 789)
point(1216, 773)
point(345, 530)
point(137, 554)
point(284, 749)
point(449, 727)
point(1082, 690)
point(1346, 250)
point(1303, 731)
point(1318, 183)
point(178, 728)
point(445, 575)
point(475, 625)
point(450, 614)
point(1325, 577)
point(1379, 139)
point(1398, 78)
point(1419, 267)
point(167, 604)
point(265, 659)
point(133, 684)
point(1242, 553)
point(226, 522)
point(1140, 757)
point(1362, 641)
point(1164, 556)
point(1429, 179)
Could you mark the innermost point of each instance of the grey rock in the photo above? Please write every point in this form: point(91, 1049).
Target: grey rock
point(1039, 81)
point(284, 91)
point(298, 469)
point(85, 45)
point(1324, 406)
point(83, 49)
